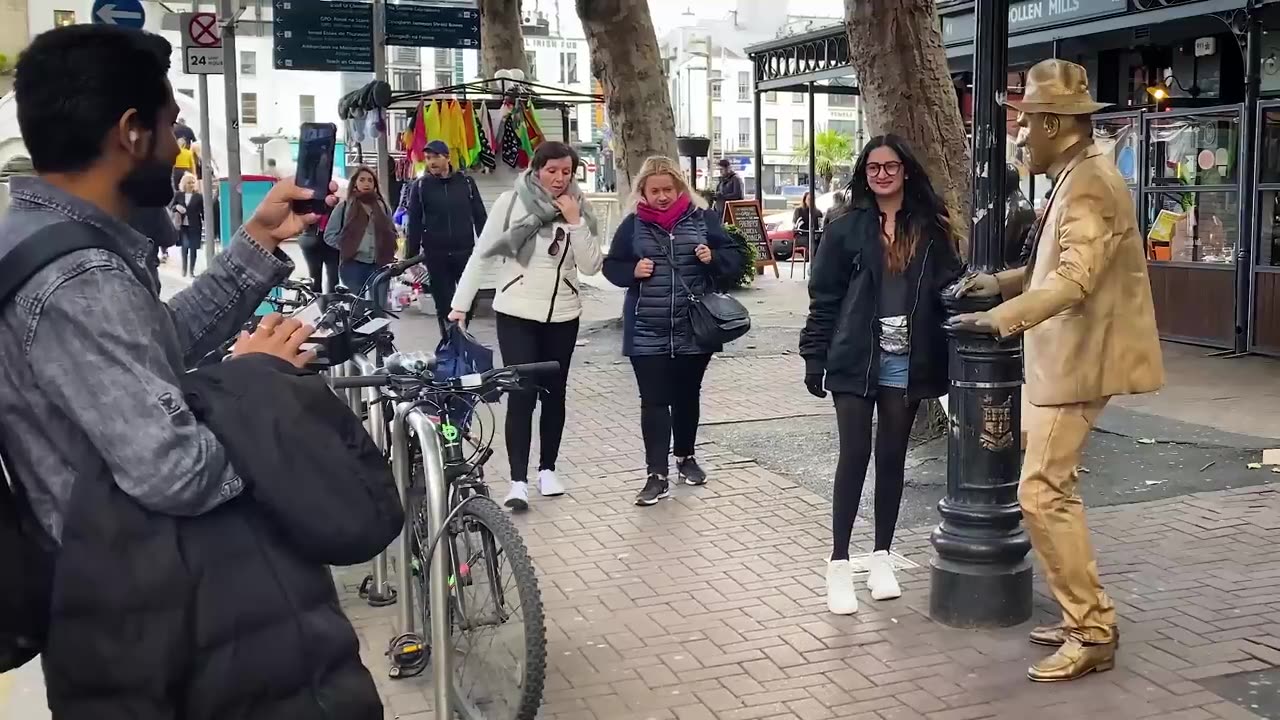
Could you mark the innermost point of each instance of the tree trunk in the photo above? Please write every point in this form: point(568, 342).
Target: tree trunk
point(895, 47)
point(624, 56)
point(501, 39)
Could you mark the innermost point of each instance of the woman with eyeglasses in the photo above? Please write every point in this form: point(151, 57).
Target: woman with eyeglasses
point(545, 234)
point(874, 338)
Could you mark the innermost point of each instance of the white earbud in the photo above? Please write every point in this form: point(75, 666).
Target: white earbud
point(133, 136)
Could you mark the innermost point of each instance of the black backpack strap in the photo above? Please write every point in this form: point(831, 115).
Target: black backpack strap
point(50, 243)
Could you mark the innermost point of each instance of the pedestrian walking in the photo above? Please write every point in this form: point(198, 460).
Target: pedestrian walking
point(1084, 304)
point(188, 218)
point(361, 230)
point(728, 188)
point(322, 260)
point(545, 230)
point(184, 162)
point(668, 249)
point(874, 338)
point(445, 212)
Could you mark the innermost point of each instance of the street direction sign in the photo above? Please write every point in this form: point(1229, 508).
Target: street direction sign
point(125, 13)
point(201, 43)
point(337, 35)
point(433, 26)
point(322, 35)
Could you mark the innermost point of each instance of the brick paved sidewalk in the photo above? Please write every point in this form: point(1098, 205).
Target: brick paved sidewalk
point(711, 604)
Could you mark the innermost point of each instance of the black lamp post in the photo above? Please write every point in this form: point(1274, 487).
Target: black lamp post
point(981, 575)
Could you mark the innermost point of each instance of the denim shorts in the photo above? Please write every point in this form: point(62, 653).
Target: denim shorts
point(893, 370)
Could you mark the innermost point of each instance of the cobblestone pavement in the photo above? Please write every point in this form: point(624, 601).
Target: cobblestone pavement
point(711, 604)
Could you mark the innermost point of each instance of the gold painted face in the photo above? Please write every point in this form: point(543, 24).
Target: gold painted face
point(1037, 134)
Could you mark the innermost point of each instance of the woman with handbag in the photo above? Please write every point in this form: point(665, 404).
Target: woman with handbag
point(188, 217)
point(669, 254)
point(360, 229)
point(874, 338)
point(545, 233)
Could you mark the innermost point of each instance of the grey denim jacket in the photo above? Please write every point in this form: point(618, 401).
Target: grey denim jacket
point(91, 363)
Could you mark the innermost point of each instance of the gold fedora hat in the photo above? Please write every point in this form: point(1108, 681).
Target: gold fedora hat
point(1059, 87)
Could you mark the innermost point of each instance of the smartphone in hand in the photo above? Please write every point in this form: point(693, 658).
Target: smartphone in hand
point(316, 145)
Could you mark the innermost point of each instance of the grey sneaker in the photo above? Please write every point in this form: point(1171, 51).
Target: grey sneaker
point(690, 472)
point(655, 488)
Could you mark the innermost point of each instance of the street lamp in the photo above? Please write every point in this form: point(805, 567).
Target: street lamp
point(981, 576)
point(711, 133)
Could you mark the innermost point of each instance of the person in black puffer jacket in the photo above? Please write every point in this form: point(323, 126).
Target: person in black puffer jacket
point(669, 247)
point(874, 338)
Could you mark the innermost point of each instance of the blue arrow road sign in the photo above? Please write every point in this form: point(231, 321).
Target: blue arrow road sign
point(125, 13)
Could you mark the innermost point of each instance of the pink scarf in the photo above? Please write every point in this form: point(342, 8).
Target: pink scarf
point(666, 219)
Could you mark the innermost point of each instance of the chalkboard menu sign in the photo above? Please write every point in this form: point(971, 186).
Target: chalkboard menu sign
point(746, 216)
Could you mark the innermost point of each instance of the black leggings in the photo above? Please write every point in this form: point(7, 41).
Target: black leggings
point(893, 429)
point(526, 341)
point(322, 264)
point(670, 403)
point(445, 271)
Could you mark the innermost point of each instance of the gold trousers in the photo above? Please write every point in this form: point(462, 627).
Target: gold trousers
point(1053, 514)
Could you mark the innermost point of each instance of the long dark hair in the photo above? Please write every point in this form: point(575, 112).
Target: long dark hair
point(925, 211)
point(377, 188)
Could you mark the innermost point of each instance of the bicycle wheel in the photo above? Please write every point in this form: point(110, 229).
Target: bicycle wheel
point(499, 645)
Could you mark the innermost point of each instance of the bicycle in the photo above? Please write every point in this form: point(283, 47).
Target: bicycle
point(465, 598)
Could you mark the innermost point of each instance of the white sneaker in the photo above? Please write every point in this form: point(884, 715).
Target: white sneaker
point(548, 484)
point(518, 496)
point(841, 598)
point(880, 578)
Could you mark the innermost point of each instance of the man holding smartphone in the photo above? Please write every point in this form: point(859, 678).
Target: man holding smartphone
point(91, 361)
point(446, 213)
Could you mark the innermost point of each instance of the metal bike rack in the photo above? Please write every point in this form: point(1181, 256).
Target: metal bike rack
point(380, 593)
point(425, 429)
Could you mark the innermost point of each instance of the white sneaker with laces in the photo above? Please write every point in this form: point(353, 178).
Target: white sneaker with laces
point(548, 484)
point(880, 578)
point(518, 496)
point(841, 598)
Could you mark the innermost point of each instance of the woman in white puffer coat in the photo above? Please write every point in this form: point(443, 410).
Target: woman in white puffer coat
point(543, 234)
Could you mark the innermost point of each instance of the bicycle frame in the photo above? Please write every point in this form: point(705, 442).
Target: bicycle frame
point(427, 432)
point(380, 591)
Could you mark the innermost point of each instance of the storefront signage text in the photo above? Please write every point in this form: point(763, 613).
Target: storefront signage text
point(1028, 15)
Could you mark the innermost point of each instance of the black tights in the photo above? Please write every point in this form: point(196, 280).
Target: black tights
point(893, 429)
point(528, 341)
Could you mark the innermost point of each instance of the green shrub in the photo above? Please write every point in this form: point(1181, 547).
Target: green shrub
point(748, 250)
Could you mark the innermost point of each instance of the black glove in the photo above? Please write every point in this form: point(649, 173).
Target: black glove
point(813, 382)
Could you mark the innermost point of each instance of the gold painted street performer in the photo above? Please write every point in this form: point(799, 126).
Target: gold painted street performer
point(1084, 304)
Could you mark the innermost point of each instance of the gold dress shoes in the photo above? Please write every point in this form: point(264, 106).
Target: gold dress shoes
point(1074, 660)
point(1055, 635)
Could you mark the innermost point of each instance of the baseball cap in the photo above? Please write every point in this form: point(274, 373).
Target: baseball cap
point(437, 147)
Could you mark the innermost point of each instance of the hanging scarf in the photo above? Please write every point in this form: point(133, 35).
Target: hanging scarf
point(665, 219)
point(541, 211)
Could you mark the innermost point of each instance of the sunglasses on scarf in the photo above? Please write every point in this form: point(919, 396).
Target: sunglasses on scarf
point(560, 237)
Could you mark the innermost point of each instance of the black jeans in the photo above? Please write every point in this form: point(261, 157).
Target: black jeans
point(526, 341)
point(322, 262)
point(446, 271)
point(894, 416)
point(670, 403)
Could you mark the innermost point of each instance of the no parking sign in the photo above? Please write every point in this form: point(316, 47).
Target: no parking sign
point(201, 43)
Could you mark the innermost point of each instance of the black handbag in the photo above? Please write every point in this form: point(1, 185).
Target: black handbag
point(716, 317)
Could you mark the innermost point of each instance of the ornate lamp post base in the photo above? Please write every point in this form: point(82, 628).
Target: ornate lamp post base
point(981, 574)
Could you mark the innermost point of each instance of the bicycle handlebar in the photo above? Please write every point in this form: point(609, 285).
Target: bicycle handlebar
point(464, 382)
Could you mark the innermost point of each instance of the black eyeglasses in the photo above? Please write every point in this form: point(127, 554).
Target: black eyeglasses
point(890, 169)
point(561, 236)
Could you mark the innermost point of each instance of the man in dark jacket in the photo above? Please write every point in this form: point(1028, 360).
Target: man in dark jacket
point(1019, 217)
point(446, 213)
point(730, 187)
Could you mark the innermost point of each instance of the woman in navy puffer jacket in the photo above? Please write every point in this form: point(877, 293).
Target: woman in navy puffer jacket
point(669, 243)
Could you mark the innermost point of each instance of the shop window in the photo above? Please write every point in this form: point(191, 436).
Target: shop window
point(1269, 229)
point(1120, 136)
point(1195, 150)
point(1199, 226)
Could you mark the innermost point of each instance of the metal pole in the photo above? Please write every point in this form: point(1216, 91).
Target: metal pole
point(711, 130)
point(380, 74)
point(981, 576)
point(1248, 199)
point(813, 180)
point(758, 141)
point(206, 170)
point(228, 10)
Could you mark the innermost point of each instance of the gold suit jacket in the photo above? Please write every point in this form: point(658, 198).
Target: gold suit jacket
point(1084, 299)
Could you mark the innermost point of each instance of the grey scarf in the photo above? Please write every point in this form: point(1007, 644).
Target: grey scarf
point(518, 233)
